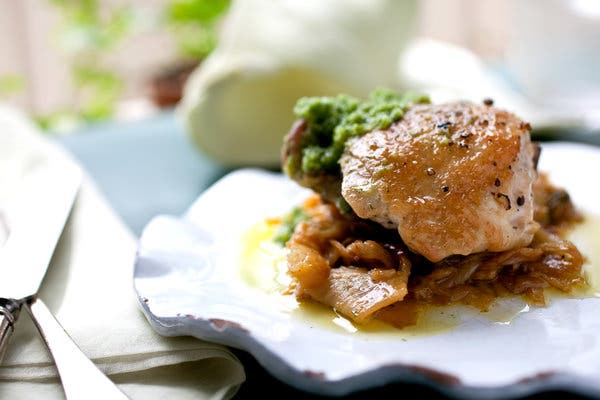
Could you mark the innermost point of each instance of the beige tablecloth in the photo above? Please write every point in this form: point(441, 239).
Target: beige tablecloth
point(89, 288)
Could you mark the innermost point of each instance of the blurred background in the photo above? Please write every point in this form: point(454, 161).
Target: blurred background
point(73, 61)
point(68, 62)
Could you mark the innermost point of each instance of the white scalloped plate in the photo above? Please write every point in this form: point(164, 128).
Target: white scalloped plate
point(188, 283)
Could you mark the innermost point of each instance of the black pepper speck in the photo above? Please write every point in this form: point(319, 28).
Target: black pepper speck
point(504, 199)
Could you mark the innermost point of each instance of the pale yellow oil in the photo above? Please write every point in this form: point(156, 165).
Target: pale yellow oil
point(263, 266)
point(586, 236)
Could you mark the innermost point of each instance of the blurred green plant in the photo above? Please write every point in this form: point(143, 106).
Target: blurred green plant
point(62, 121)
point(89, 31)
point(194, 25)
point(10, 85)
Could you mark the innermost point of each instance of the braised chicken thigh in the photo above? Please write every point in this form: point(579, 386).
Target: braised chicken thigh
point(454, 179)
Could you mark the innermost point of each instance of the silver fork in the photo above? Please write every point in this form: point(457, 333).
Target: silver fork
point(80, 377)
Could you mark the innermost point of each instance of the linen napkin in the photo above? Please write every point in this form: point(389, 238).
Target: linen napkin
point(89, 289)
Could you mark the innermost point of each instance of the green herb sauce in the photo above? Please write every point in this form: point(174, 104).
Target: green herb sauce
point(331, 121)
point(288, 224)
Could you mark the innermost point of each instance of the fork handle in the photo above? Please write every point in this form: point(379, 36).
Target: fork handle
point(81, 379)
point(9, 312)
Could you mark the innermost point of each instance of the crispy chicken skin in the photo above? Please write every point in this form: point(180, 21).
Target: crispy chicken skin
point(452, 178)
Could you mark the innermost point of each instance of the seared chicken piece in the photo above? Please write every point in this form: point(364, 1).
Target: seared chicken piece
point(453, 179)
